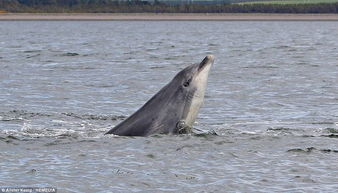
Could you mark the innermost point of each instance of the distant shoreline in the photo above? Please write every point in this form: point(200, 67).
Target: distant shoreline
point(165, 17)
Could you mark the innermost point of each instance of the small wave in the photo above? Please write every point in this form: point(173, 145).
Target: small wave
point(282, 47)
point(70, 54)
point(299, 150)
point(22, 123)
point(16, 115)
point(32, 51)
point(279, 129)
point(33, 56)
point(95, 117)
point(330, 136)
point(285, 131)
point(311, 149)
point(100, 85)
point(204, 133)
point(29, 130)
point(323, 123)
point(304, 132)
point(156, 67)
point(261, 67)
point(9, 139)
point(275, 128)
point(332, 130)
point(213, 45)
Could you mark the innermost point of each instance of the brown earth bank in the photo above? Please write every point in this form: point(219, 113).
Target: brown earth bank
point(168, 16)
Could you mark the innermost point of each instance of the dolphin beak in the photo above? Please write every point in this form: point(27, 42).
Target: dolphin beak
point(208, 60)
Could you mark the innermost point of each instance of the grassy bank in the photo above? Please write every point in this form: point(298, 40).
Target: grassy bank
point(280, 6)
point(290, 2)
point(169, 17)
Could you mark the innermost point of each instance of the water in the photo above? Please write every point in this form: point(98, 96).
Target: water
point(272, 98)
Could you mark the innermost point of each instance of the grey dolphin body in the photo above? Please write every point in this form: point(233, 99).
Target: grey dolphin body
point(174, 108)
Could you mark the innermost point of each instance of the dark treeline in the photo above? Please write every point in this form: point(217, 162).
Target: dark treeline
point(138, 6)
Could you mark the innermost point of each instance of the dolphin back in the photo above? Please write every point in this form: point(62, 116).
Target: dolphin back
point(159, 115)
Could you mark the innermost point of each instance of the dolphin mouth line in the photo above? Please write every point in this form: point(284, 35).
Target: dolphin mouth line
point(208, 60)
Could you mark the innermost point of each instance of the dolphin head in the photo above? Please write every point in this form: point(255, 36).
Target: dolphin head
point(192, 83)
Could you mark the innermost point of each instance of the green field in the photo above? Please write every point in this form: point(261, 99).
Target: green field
point(289, 2)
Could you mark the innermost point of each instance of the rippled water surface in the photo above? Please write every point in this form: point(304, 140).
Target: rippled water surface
point(272, 98)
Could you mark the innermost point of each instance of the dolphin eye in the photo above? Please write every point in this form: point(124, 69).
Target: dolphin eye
point(187, 83)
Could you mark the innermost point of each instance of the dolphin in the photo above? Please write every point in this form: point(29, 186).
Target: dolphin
point(174, 108)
